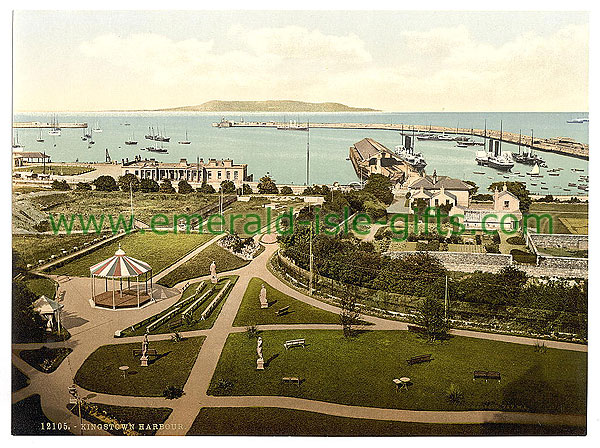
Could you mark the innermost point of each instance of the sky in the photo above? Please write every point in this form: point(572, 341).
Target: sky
point(393, 61)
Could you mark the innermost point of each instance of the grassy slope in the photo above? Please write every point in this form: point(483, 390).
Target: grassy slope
point(300, 313)
point(561, 214)
point(159, 251)
point(261, 421)
point(360, 371)
point(41, 247)
point(28, 419)
point(100, 371)
point(200, 264)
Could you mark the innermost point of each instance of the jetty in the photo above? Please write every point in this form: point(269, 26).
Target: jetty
point(559, 145)
point(37, 125)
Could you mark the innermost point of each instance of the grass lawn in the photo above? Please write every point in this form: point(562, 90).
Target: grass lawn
point(19, 379)
point(100, 371)
point(261, 421)
point(566, 218)
point(29, 419)
point(360, 371)
point(199, 265)
point(175, 323)
point(563, 252)
point(40, 247)
point(250, 312)
point(45, 359)
point(58, 169)
point(159, 251)
point(99, 413)
point(41, 285)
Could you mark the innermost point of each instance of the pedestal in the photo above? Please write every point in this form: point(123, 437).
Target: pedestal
point(264, 304)
point(144, 361)
point(260, 364)
point(213, 279)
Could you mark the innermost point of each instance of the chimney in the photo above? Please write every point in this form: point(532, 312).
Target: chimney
point(504, 187)
point(495, 195)
point(435, 178)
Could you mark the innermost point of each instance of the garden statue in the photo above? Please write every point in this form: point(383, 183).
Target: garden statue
point(213, 273)
point(144, 358)
point(263, 297)
point(260, 362)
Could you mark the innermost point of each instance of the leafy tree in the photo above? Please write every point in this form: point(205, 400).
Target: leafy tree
point(27, 325)
point(227, 187)
point(472, 184)
point(149, 186)
point(206, 189)
point(430, 316)
point(519, 189)
point(105, 183)
point(246, 189)
point(129, 181)
point(184, 187)
point(61, 185)
point(83, 186)
point(286, 190)
point(375, 209)
point(349, 314)
point(166, 187)
point(267, 186)
point(379, 186)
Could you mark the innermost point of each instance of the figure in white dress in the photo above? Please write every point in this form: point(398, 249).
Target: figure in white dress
point(213, 273)
point(263, 297)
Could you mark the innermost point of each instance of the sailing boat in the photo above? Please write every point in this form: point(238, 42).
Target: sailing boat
point(162, 137)
point(132, 141)
point(40, 139)
point(97, 128)
point(55, 129)
point(186, 141)
point(535, 171)
point(150, 135)
point(16, 144)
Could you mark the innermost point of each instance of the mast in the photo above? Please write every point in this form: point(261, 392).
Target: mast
point(519, 142)
point(500, 144)
point(308, 153)
point(531, 147)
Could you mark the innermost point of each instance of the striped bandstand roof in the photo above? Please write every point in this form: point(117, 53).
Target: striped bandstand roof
point(119, 266)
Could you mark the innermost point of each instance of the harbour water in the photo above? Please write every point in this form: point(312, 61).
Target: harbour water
point(283, 153)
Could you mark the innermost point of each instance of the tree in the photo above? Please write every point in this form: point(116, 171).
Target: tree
point(206, 189)
point(430, 316)
point(166, 187)
point(286, 190)
point(227, 187)
point(184, 187)
point(61, 185)
point(129, 182)
point(83, 186)
point(27, 325)
point(472, 184)
point(149, 186)
point(246, 189)
point(267, 186)
point(105, 183)
point(379, 186)
point(518, 189)
point(350, 314)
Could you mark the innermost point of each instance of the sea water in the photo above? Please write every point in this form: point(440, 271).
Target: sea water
point(282, 154)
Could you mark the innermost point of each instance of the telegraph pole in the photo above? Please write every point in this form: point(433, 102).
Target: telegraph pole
point(308, 153)
point(446, 301)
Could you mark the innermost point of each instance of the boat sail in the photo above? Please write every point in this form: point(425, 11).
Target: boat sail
point(55, 128)
point(186, 141)
point(40, 139)
point(97, 128)
point(535, 170)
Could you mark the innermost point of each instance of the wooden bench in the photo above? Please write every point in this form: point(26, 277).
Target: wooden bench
point(292, 380)
point(419, 359)
point(283, 311)
point(138, 352)
point(486, 375)
point(295, 343)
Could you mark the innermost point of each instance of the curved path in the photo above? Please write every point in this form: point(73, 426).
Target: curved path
point(93, 327)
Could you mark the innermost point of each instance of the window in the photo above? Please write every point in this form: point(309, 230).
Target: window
point(235, 175)
point(437, 202)
point(506, 204)
point(228, 174)
point(209, 174)
point(218, 174)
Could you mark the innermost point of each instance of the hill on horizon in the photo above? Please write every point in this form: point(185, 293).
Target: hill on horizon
point(268, 106)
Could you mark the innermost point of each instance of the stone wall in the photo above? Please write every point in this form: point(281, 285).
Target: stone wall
point(566, 241)
point(465, 261)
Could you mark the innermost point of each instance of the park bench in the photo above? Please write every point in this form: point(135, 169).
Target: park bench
point(283, 311)
point(486, 375)
point(138, 352)
point(295, 343)
point(292, 380)
point(419, 359)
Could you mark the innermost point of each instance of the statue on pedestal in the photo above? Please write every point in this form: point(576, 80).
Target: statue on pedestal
point(263, 297)
point(144, 358)
point(260, 362)
point(213, 273)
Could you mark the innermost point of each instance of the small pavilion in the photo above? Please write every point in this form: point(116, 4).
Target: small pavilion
point(120, 269)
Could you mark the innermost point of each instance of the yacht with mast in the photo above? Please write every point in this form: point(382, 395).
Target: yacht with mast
point(407, 152)
point(528, 157)
point(186, 141)
point(55, 131)
point(40, 139)
point(162, 137)
point(133, 141)
point(97, 128)
point(496, 158)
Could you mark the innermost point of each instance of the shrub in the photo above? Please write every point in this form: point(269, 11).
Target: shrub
point(166, 187)
point(105, 183)
point(149, 186)
point(227, 187)
point(523, 257)
point(224, 385)
point(246, 189)
point(492, 248)
point(206, 189)
point(183, 187)
point(454, 394)
point(61, 185)
point(517, 240)
point(286, 190)
point(172, 392)
point(129, 181)
point(252, 331)
point(83, 186)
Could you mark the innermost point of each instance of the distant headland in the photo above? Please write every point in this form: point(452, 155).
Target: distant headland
point(267, 106)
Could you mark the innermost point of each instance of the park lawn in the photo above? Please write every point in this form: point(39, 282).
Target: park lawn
point(145, 205)
point(478, 248)
point(402, 246)
point(45, 359)
point(41, 247)
point(246, 223)
point(100, 371)
point(174, 323)
point(563, 252)
point(28, 418)
point(250, 312)
point(566, 218)
point(159, 251)
point(263, 421)
point(360, 371)
point(41, 285)
point(125, 415)
point(19, 379)
point(199, 265)
point(58, 169)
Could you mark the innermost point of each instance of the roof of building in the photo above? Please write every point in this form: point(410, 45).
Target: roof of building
point(368, 148)
point(449, 183)
point(445, 193)
point(30, 155)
